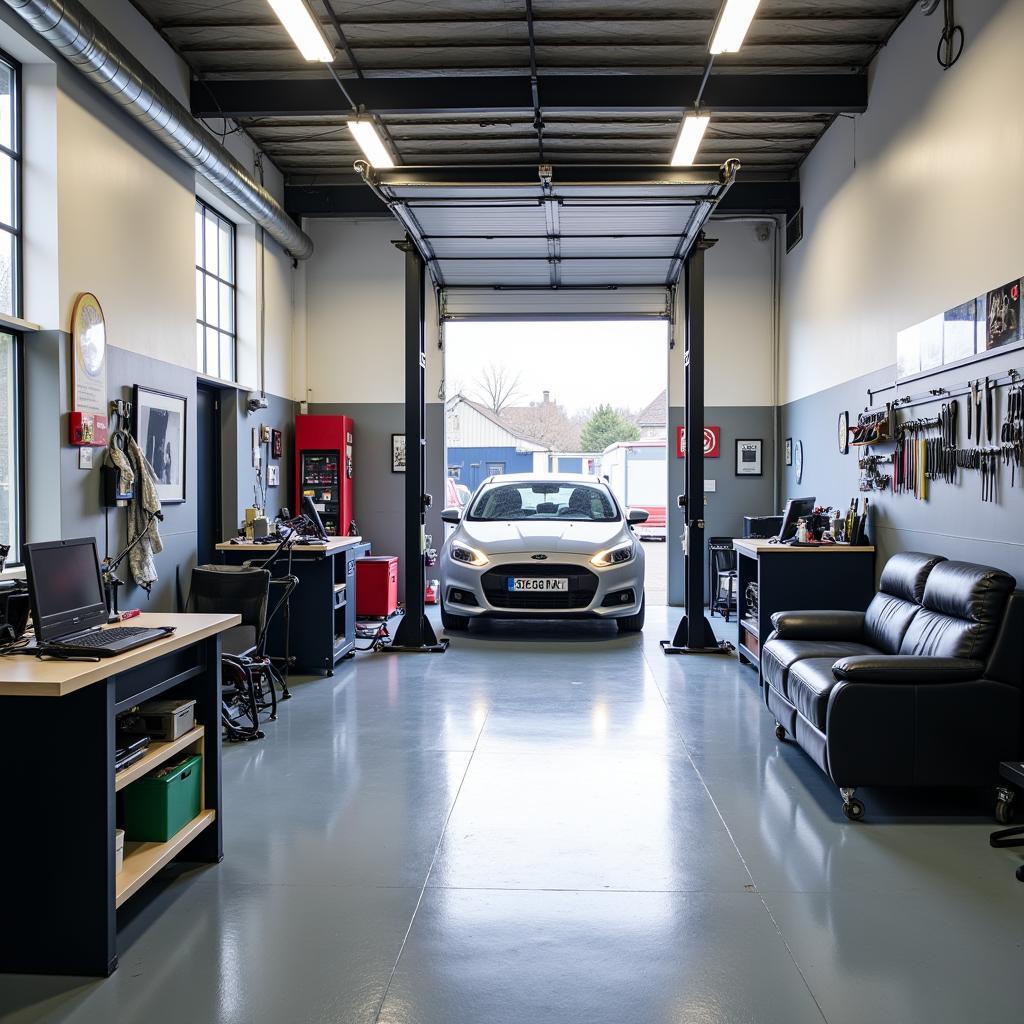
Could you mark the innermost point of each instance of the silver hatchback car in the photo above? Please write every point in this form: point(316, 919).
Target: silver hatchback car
point(543, 547)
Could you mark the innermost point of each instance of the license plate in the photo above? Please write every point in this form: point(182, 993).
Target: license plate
point(518, 584)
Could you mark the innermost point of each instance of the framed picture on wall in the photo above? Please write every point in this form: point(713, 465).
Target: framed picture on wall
point(789, 451)
point(749, 454)
point(276, 444)
point(160, 420)
point(398, 453)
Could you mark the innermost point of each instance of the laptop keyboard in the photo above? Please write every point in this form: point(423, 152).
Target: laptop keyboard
point(106, 637)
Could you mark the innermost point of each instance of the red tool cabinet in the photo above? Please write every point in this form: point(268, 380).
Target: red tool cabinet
point(377, 586)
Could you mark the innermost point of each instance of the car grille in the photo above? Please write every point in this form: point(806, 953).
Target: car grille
point(582, 587)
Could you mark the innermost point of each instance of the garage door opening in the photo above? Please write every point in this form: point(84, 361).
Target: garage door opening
point(557, 397)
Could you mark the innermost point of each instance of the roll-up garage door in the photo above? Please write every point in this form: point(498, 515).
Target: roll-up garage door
point(566, 242)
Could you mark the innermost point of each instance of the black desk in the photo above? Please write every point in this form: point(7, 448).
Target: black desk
point(60, 890)
point(323, 605)
point(796, 578)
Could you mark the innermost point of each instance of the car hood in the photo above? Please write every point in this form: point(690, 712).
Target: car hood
point(549, 536)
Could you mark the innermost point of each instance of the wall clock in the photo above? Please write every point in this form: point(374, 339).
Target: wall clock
point(844, 433)
point(798, 460)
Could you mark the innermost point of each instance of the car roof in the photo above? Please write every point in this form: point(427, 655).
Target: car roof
point(548, 478)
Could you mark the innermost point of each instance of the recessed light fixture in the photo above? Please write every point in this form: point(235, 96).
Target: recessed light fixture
point(371, 144)
point(691, 132)
point(304, 29)
point(731, 27)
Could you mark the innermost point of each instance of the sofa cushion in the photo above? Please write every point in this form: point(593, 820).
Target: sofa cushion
point(962, 607)
point(778, 656)
point(810, 683)
point(886, 621)
point(906, 574)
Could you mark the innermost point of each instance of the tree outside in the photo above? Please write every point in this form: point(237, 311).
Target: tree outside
point(497, 386)
point(606, 426)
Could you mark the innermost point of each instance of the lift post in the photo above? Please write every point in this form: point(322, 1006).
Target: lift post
point(694, 634)
point(415, 634)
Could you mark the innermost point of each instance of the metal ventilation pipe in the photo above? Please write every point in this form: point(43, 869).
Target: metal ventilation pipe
point(75, 33)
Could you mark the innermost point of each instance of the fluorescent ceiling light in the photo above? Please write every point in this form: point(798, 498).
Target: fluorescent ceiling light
point(691, 132)
point(304, 29)
point(732, 25)
point(370, 143)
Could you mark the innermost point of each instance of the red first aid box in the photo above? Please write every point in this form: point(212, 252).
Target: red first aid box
point(377, 586)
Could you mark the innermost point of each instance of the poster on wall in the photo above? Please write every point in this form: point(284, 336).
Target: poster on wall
point(748, 456)
point(959, 332)
point(89, 357)
point(160, 431)
point(398, 453)
point(712, 442)
point(1003, 315)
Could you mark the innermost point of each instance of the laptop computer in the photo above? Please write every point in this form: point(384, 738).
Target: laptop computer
point(66, 594)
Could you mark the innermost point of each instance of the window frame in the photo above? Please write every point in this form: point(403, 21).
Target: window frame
point(15, 230)
point(211, 211)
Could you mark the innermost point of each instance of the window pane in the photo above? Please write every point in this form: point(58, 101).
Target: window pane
point(6, 106)
point(212, 353)
point(227, 247)
point(227, 356)
point(227, 307)
point(8, 279)
point(7, 168)
point(212, 301)
point(212, 263)
point(8, 447)
point(200, 312)
point(199, 235)
point(200, 348)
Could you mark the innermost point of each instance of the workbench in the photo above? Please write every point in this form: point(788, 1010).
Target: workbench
point(322, 617)
point(791, 578)
point(57, 732)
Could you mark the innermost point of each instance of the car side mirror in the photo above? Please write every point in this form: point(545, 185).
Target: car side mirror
point(451, 515)
point(638, 515)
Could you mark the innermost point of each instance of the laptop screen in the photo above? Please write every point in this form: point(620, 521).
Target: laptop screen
point(65, 587)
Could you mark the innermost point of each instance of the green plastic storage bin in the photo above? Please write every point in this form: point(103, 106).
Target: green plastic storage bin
point(163, 802)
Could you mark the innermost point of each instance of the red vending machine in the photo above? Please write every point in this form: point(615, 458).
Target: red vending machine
point(323, 469)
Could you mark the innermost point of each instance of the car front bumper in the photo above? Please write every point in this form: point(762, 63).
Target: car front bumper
point(593, 592)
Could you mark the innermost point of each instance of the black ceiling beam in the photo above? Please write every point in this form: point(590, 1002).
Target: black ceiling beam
point(725, 93)
point(754, 197)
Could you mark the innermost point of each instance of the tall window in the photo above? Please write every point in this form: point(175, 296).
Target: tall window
point(215, 293)
point(10, 303)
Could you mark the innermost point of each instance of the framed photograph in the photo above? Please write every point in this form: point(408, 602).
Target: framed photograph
point(1003, 315)
point(160, 420)
point(789, 451)
point(398, 453)
point(276, 444)
point(749, 454)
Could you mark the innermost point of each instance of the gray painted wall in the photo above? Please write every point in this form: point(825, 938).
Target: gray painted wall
point(734, 497)
point(65, 500)
point(953, 521)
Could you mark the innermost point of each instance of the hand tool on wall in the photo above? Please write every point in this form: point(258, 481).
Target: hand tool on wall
point(989, 411)
point(972, 396)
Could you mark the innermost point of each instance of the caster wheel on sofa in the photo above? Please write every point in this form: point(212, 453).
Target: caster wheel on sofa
point(1004, 812)
point(780, 732)
point(854, 810)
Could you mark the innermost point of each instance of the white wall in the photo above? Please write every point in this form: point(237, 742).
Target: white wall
point(738, 318)
point(912, 207)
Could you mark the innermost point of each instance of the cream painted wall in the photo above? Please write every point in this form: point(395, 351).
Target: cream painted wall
point(912, 207)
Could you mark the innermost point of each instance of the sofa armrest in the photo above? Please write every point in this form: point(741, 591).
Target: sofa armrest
point(906, 668)
point(819, 625)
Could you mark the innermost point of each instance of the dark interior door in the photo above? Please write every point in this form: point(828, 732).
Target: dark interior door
point(208, 483)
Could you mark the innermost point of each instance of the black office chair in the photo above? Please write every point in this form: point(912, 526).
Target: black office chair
point(722, 569)
point(250, 679)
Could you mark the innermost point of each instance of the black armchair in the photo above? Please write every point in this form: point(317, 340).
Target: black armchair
point(921, 689)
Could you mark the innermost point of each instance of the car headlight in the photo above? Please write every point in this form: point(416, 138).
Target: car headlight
point(613, 556)
point(470, 556)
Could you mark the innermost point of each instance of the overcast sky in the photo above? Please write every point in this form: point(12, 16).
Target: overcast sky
point(581, 364)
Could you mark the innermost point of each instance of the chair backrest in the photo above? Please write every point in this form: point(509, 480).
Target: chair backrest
point(898, 600)
point(961, 612)
point(222, 589)
point(723, 554)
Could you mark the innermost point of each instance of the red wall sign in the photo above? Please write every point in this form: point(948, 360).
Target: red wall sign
point(712, 442)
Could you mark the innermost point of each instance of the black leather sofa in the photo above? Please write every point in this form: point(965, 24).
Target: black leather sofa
point(921, 689)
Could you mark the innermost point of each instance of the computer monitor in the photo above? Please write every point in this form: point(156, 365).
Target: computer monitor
point(310, 512)
point(796, 509)
point(65, 587)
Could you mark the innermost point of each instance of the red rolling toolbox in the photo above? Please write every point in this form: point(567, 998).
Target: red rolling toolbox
point(377, 586)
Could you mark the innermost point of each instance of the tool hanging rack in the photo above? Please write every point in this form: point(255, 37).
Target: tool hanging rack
point(1009, 379)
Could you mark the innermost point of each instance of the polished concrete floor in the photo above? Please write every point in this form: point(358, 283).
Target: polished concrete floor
point(554, 825)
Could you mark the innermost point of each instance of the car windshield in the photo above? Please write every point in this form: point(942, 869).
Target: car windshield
point(545, 500)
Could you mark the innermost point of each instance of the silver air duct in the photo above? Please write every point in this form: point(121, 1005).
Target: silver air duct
point(73, 31)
